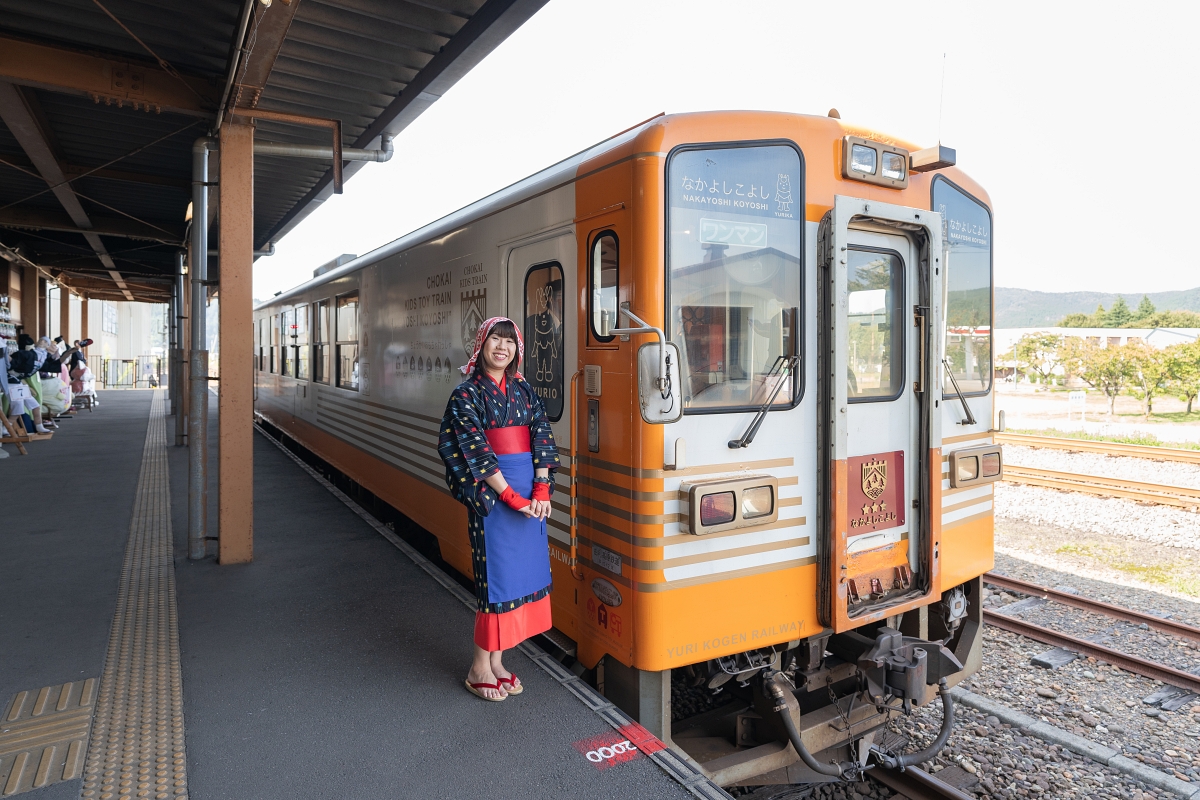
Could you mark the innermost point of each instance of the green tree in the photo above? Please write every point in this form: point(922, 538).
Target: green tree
point(1038, 353)
point(1145, 308)
point(1103, 368)
point(1119, 314)
point(1149, 372)
point(1078, 320)
point(1183, 366)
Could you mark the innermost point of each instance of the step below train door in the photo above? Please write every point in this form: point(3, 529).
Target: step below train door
point(541, 297)
point(882, 541)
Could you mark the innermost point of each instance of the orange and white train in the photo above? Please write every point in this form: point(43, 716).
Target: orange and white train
point(748, 330)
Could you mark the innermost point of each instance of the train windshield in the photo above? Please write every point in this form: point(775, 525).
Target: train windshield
point(967, 233)
point(733, 267)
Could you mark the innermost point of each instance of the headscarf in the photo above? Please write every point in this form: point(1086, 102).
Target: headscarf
point(481, 337)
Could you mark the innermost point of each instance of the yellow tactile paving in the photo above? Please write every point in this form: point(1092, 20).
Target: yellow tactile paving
point(136, 747)
point(43, 734)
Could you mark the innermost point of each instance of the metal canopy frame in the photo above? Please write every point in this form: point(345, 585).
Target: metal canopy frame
point(101, 100)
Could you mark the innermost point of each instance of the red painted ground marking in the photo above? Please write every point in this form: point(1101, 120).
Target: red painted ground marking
point(608, 749)
point(646, 741)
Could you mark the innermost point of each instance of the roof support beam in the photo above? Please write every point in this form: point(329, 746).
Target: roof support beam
point(104, 80)
point(43, 220)
point(22, 123)
point(75, 171)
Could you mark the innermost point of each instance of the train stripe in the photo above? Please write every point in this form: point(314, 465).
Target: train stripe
point(965, 512)
point(739, 562)
point(956, 496)
point(706, 545)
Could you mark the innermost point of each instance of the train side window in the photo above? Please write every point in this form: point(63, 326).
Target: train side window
point(967, 237)
point(544, 336)
point(347, 341)
point(300, 341)
point(875, 284)
point(274, 342)
point(286, 331)
point(259, 343)
point(321, 343)
point(604, 285)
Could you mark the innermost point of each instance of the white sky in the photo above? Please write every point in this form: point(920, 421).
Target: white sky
point(1070, 114)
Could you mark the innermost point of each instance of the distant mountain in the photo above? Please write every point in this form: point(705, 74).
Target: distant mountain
point(1022, 308)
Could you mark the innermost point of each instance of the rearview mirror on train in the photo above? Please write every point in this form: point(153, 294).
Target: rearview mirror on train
point(659, 405)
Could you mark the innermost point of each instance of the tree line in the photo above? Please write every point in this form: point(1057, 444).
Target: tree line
point(1122, 316)
point(1135, 368)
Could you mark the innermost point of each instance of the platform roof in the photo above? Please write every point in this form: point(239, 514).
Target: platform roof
point(101, 100)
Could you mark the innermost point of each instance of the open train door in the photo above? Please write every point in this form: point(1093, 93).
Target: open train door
point(879, 444)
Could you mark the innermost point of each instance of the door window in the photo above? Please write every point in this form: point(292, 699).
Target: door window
point(321, 343)
point(274, 342)
point(604, 285)
point(300, 341)
point(347, 341)
point(543, 366)
point(875, 353)
point(287, 361)
point(735, 218)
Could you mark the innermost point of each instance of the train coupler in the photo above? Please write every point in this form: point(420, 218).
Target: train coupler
point(893, 665)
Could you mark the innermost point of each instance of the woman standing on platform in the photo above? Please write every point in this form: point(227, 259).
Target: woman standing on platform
point(500, 458)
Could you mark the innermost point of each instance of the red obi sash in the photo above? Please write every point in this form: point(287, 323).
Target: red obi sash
point(505, 441)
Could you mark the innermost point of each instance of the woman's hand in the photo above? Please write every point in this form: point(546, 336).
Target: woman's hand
point(540, 509)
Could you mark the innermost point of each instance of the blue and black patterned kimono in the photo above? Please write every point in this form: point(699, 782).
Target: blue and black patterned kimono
point(510, 551)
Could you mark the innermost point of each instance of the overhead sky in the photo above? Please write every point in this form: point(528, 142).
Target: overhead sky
point(1077, 118)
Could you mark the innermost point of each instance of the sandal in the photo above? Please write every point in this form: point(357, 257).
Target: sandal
point(474, 688)
point(510, 686)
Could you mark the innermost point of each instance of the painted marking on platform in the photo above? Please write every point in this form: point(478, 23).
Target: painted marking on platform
point(136, 747)
point(42, 744)
point(607, 750)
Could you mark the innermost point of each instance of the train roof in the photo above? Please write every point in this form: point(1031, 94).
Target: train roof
point(549, 178)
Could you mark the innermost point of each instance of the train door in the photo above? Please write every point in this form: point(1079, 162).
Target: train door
point(882, 547)
point(541, 300)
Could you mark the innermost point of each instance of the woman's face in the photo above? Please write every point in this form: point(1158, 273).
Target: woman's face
point(498, 352)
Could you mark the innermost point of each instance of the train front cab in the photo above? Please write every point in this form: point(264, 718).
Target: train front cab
point(821, 550)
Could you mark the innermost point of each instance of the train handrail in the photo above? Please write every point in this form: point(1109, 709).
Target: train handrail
point(573, 512)
point(663, 384)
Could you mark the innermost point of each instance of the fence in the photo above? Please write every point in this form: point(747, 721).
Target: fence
point(143, 372)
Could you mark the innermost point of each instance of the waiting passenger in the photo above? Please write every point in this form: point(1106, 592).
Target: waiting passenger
point(496, 444)
point(20, 368)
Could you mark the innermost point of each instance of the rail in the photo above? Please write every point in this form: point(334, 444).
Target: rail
point(1107, 448)
point(917, 784)
point(1162, 494)
point(1141, 666)
point(1095, 606)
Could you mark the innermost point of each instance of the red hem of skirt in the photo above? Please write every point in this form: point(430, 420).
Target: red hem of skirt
point(510, 628)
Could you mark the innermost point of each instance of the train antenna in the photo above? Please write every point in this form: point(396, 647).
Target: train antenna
point(942, 99)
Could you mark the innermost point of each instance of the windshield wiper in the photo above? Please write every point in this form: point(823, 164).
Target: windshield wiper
point(970, 420)
point(783, 366)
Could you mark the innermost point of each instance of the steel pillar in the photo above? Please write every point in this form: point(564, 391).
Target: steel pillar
point(181, 354)
point(31, 308)
point(198, 366)
point(235, 453)
point(64, 314)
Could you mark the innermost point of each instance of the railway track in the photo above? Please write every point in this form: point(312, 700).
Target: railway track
point(917, 784)
point(1141, 666)
point(1160, 494)
point(1107, 448)
point(1095, 606)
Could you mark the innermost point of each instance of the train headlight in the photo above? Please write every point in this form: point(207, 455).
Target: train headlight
point(862, 159)
point(716, 509)
point(722, 505)
point(974, 466)
point(894, 166)
point(870, 161)
point(758, 502)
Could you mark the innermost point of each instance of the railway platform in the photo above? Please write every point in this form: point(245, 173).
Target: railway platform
point(330, 666)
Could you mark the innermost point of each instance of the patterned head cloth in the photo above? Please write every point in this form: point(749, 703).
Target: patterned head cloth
point(481, 337)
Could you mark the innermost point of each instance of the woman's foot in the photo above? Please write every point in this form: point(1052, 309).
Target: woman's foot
point(493, 691)
point(512, 682)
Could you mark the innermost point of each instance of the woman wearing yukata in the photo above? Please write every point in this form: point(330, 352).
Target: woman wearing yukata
point(500, 460)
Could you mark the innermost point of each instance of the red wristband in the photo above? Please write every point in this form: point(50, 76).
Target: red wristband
point(512, 499)
point(541, 491)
